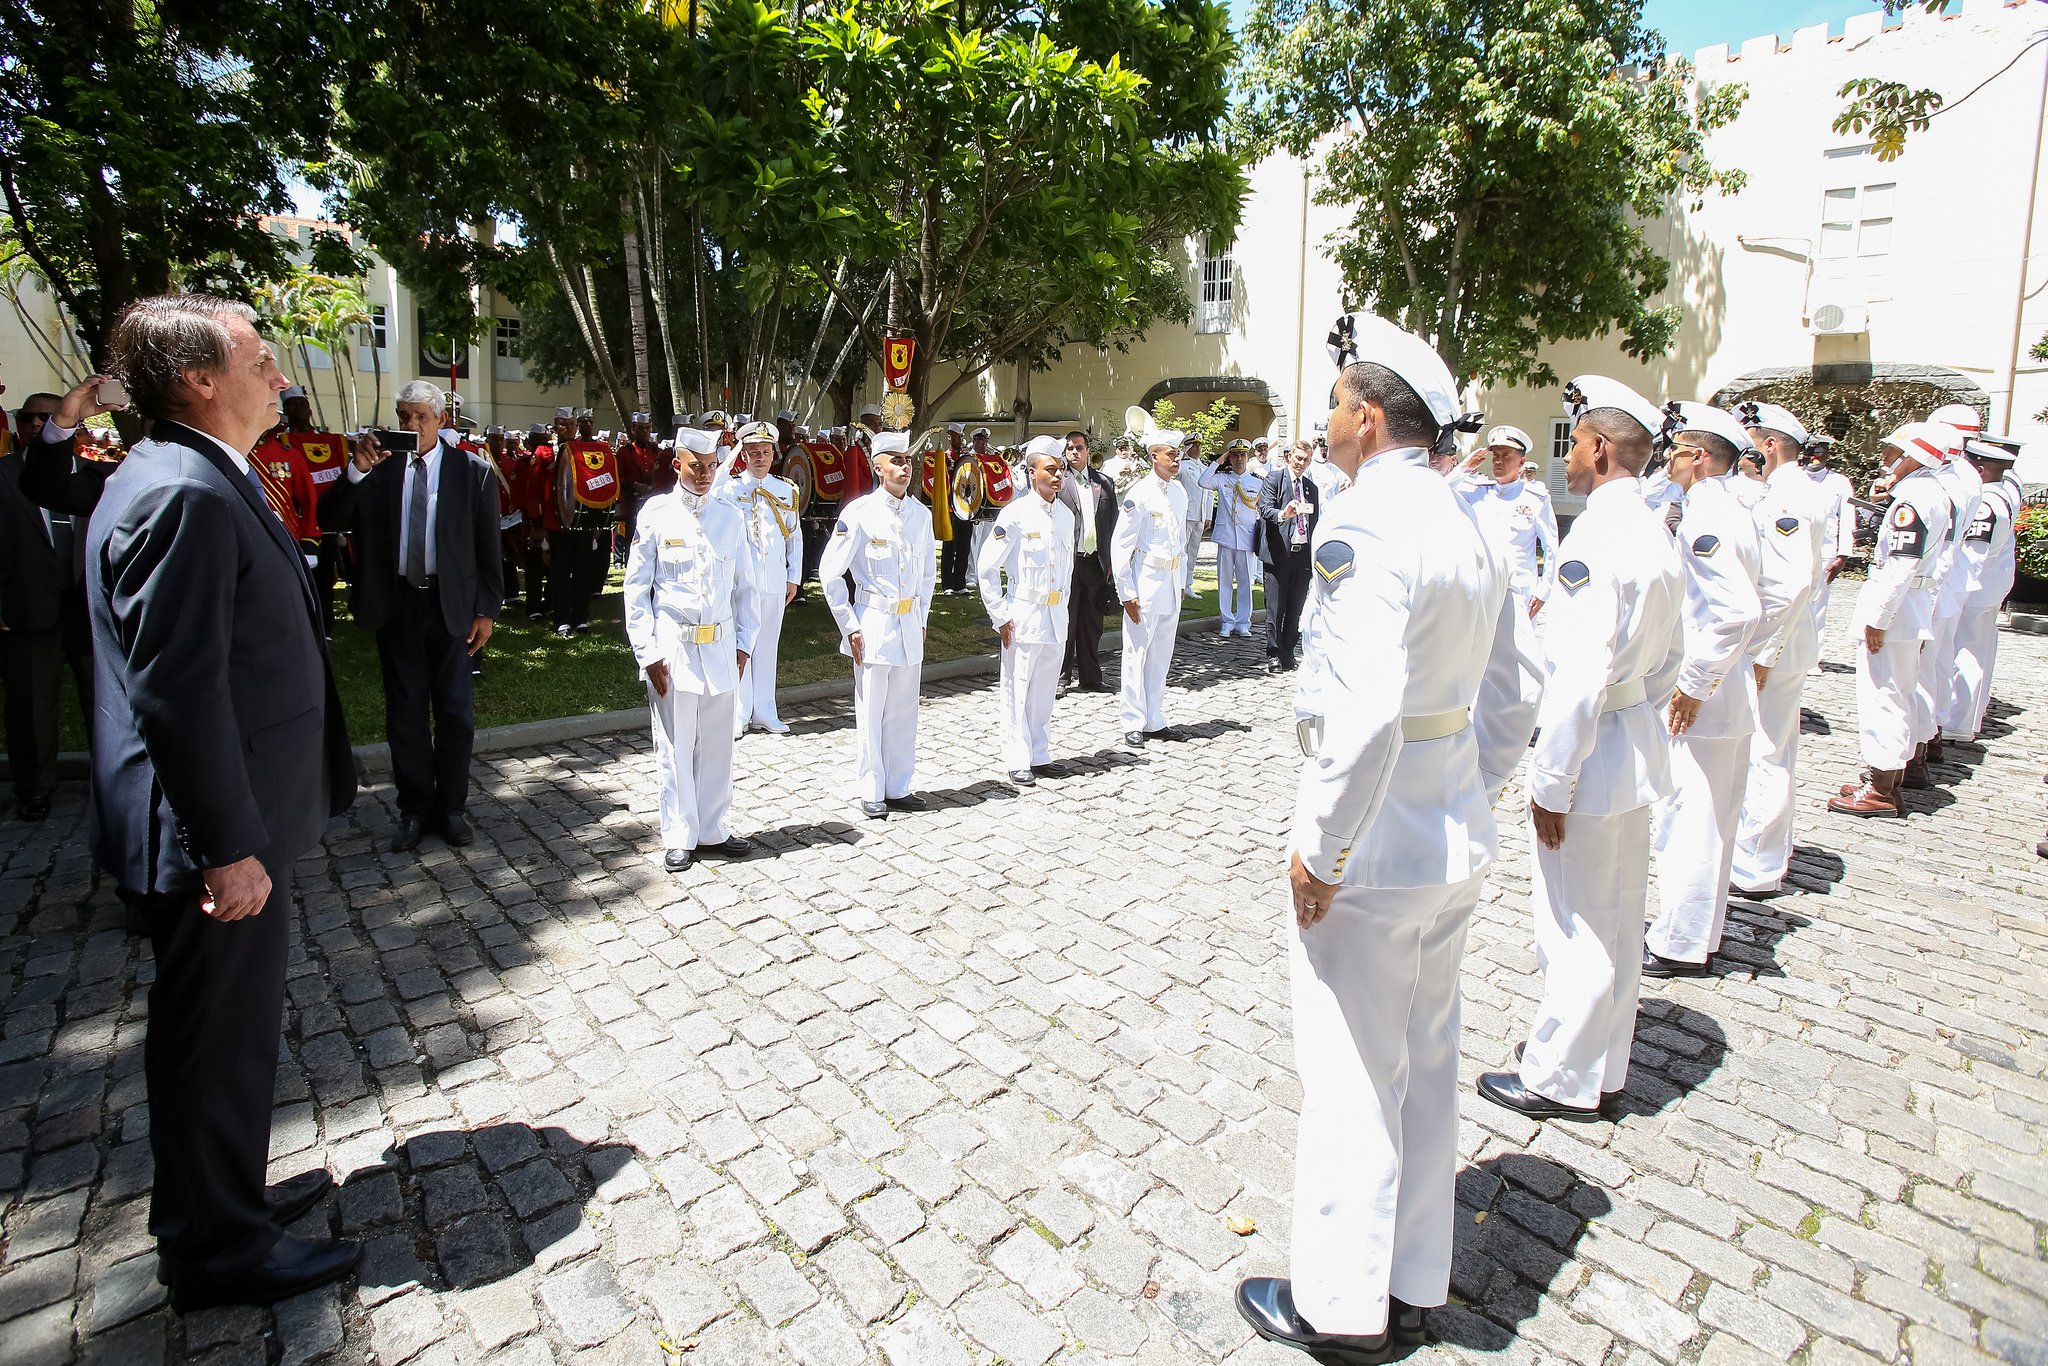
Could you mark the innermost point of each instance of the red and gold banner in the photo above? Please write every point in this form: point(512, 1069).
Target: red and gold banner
point(897, 353)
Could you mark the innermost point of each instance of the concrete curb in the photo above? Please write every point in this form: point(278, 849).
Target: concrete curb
point(555, 730)
point(2033, 623)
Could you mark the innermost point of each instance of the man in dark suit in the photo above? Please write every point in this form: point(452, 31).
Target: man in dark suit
point(43, 624)
point(429, 581)
point(1287, 528)
point(219, 752)
point(1090, 496)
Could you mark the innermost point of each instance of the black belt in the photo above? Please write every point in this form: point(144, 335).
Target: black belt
point(430, 581)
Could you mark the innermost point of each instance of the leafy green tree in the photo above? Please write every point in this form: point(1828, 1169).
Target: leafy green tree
point(1499, 160)
point(1210, 425)
point(307, 309)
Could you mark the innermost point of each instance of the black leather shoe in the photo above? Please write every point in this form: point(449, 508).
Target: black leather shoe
point(1099, 687)
point(1023, 777)
point(32, 808)
point(1657, 965)
point(1267, 1304)
point(455, 829)
point(732, 846)
point(909, 801)
point(1772, 895)
point(411, 831)
point(678, 860)
point(1505, 1089)
point(292, 1198)
point(875, 811)
point(1135, 739)
point(1405, 1322)
point(293, 1266)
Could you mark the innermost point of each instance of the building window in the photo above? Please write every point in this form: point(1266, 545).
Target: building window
point(507, 364)
point(1219, 277)
point(374, 341)
point(1560, 447)
point(1855, 209)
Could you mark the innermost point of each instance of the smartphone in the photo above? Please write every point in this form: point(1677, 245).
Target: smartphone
point(110, 394)
point(396, 442)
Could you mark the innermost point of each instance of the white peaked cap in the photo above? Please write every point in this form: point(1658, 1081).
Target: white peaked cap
point(871, 410)
point(1588, 392)
point(1165, 436)
point(1960, 416)
point(885, 442)
point(1927, 442)
point(759, 431)
point(1361, 337)
point(1772, 418)
point(1705, 417)
point(569, 413)
point(1044, 445)
point(697, 440)
point(1509, 436)
point(640, 417)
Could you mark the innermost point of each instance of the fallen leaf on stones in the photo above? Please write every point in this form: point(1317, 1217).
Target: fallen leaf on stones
point(1151, 1291)
point(1243, 1225)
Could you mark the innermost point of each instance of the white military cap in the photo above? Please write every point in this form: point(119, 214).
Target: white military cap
point(1528, 467)
point(1509, 436)
point(1771, 418)
point(978, 431)
point(1960, 416)
point(871, 410)
point(2006, 448)
point(494, 431)
point(295, 391)
point(956, 429)
point(1361, 337)
point(887, 442)
point(696, 440)
point(537, 429)
point(641, 417)
point(1044, 445)
point(785, 415)
point(713, 419)
point(586, 412)
point(759, 431)
point(1165, 436)
point(1588, 392)
point(1705, 417)
point(1926, 442)
point(565, 413)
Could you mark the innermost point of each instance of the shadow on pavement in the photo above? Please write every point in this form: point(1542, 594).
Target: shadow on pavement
point(1676, 1049)
point(1519, 1217)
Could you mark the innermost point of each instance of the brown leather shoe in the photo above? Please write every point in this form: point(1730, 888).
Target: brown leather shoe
point(1851, 789)
point(1934, 752)
point(1916, 770)
point(1878, 797)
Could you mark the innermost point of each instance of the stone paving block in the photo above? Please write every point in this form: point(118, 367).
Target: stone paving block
point(862, 1280)
point(1000, 1322)
point(919, 1338)
point(585, 1303)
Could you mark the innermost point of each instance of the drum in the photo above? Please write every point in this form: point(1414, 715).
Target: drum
point(828, 465)
point(968, 490)
point(997, 478)
point(860, 475)
point(797, 470)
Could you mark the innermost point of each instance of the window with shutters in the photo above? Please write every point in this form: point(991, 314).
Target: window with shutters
point(507, 364)
point(1856, 205)
point(373, 341)
point(1560, 446)
point(1219, 280)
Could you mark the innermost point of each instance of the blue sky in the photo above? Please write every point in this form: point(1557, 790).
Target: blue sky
point(1689, 25)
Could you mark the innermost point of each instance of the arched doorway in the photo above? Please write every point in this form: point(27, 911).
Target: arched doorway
point(1258, 404)
point(1859, 405)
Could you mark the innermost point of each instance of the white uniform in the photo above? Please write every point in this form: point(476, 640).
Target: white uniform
point(1026, 572)
point(1237, 566)
point(886, 544)
point(1695, 826)
point(1192, 516)
point(1899, 600)
point(1328, 479)
point(1604, 758)
point(1519, 523)
point(776, 545)
point(1791, 526)
point(1146, 558)
point(1392, 807)
point(1931, 695)
point(1987, 560)
point(1838, 537)
point(690, 602)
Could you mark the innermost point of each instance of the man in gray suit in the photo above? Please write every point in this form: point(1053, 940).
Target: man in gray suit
point(429, 581)
point(219, 753)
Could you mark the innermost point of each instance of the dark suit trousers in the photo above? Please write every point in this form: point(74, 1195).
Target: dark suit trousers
point(210, 1061)
point(1084, 623)
point(953, 556)
point(426, 670)
point(573, 576)
point(1286, 595)
point(539, 547)
point(33, 663)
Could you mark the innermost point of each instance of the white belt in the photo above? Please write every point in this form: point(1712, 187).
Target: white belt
point(1622, 695)
point(1051, 599)
point(703, 632)
point(1308, 731)
point(1921, 581)
point(895, 607)
point(1163, 561)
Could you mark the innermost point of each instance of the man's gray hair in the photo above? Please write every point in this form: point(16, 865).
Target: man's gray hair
point(156, 340)
point(423, 392)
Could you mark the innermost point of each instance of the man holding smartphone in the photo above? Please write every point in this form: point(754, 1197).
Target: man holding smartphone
point(429, 582)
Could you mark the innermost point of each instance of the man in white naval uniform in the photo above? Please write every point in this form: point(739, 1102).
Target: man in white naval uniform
point(1237, 521)
point(1145, 559)
point(1196, 515)
point(1836, 495)
point(1026, 571)
point(767, 504)
point(1603, 759)
point(1709, 694)
point(1791, 524)
point(1932, 696)
point(884, 540)
point(1517, 520)
point(691, 618)
point(1390, 841)
point(1895, 617)
point(1988, 563)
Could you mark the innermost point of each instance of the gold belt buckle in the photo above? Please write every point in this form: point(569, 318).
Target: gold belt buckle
point(707, 635)
point(905, 606)
point(1053, 599)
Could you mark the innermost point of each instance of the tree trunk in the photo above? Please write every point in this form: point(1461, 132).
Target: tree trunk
point(764, 366)
point(312, 389)
point(697, 286)
point(636, 310)
point(1022, 407)
point(586, 326)
point(654, 230)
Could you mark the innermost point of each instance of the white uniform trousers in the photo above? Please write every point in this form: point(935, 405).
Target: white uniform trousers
point(757, 689)
point(1148, 654)
point(975, 537)
point(693, 753)
point(1588, 900)
point(885, 727)
point(1695, 843)
point(1236, 572)
point(1376, 1050)
point(1187, 561)
point(1030, 681)
point(1763, 835)
point(1885, 689)
point(1937, 679)
point(1822, 589)
point(1976, 657)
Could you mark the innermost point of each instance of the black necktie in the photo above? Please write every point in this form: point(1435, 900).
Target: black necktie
point(64, 542)
point(416, 526)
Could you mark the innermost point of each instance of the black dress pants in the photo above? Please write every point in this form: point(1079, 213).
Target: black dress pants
point(33, 663)
point(1084, 623)
point(538, 582)
point(426, 674)
point(953, 557)
point(210, 1062)
point(1286, 596)
point(571, 576)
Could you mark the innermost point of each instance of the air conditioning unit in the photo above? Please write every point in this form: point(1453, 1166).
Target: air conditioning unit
point(1829, 318)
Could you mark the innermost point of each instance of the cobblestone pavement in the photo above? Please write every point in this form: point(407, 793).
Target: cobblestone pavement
point(993, 1080)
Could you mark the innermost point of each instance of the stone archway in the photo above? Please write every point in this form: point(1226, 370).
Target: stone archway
point(1857, 404)
point(1226, 385)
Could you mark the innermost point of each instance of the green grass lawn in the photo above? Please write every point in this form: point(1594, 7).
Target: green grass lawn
point(530, 674)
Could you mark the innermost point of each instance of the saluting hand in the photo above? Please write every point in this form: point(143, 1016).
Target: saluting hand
point(236, 890)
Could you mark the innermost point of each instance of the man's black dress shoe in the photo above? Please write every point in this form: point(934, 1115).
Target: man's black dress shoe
point(875, 811)
point(1023, 777)
point(293, 1266)
point(1772, 895)
point(1657, 965)
point(293, 1197)
point(455, 829)
point(1135, 739)
point(1505, 1089)
point(909, 801)
point(411, 830)
point(678, 860)
point(1099, 687)
point(32, 808)
point(732, 846)
point(1267, 1304)
point(1405, 1322)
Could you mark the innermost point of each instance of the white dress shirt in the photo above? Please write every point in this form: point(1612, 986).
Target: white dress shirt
point(433, 459)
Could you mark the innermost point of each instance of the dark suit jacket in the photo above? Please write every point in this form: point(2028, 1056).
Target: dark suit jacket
point(467, 556)
point(218, 734)
point(32, 583)
point(1273, 546)
point(54, 477)
point(1105, 513)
